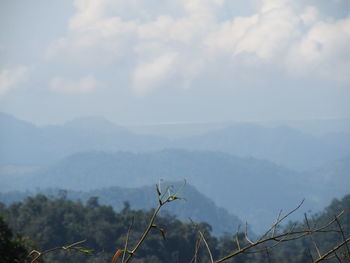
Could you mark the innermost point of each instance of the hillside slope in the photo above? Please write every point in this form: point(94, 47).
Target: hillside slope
point(195, 206)
point(255, 189)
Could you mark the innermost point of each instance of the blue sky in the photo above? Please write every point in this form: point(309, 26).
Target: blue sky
point(153, 61)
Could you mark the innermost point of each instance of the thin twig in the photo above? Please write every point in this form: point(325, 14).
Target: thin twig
point(283, 237)
point(207, 246)
point(343, 235)
point(68, 247)
point(337, 257)
point(276, 224)
point(281, 219)
point(237, 241)
point(127, 239)
point(170, 198)
point(194, 258)
point(328, 253)
point(311, 237)
point(246, 234)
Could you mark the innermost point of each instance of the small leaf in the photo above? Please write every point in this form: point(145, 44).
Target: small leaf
point(116, 255)
point(158, 190)
point(74, 244)
point(161, 230)
point(179, 198)
point(84, 250)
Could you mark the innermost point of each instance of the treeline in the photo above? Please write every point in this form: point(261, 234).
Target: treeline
point(42, 223)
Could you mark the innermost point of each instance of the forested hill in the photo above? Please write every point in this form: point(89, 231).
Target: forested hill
point(238, 184)
point(55, 222)
point(92, 153)
point(254, 189)
point(195, 206)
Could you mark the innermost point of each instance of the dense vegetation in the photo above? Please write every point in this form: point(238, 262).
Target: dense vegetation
point(56, 222)
point(197, 206)
point(12, 248)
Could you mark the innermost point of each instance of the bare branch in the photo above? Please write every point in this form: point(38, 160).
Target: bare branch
point(311, 236)
point(246, 234)
point(281, 219)
point(283, 237)
point(343, 235)
point(171, 197)
point(237, 241)
point(73, 246)
point(127, 239)
point(194, 258)
point(207, 246)
point(276, 223)
point(330, 252)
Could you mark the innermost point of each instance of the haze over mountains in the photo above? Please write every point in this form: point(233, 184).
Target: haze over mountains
point(24, 143)
point(249, 169)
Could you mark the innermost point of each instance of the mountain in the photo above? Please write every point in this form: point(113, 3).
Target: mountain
point(178, 130)
point(321, 126)
point(20, 141)
point(282, 145)
point(195, 206)
point(340, 140)
point(25, 144)
point(97, 125)
point(332, 178)
point(254, 189)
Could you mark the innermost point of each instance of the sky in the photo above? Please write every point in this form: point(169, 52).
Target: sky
point(134, 61)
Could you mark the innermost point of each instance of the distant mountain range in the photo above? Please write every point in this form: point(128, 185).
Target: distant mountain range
point(26, 144)
point(251, 188)
point(281, 145)
point(251, 170)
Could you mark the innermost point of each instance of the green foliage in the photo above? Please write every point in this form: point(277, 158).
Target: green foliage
point(197, 207)
point(57, 222)
point(12, 248)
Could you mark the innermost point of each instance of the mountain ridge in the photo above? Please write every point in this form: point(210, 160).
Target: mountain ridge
point(255, 189)
point(26, 144)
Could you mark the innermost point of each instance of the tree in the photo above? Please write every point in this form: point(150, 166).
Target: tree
point(12, 249)
point(143, 236)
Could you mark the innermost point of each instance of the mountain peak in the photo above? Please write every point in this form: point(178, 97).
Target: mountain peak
point(94, 123)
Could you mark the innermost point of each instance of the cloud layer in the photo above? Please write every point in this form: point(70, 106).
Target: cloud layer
point(84, 85)
point(12, 78)
point(171, 60)
point(182, 39)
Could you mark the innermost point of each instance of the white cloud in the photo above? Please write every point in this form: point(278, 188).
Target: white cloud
point(151, 74)
point(310, 15)
point(280, 33)
point(12, 78)
point(324, 51)
point(269, 5)
point(65, 85)
point(269, 34)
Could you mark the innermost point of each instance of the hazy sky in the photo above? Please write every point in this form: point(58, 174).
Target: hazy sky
point(148, 61)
